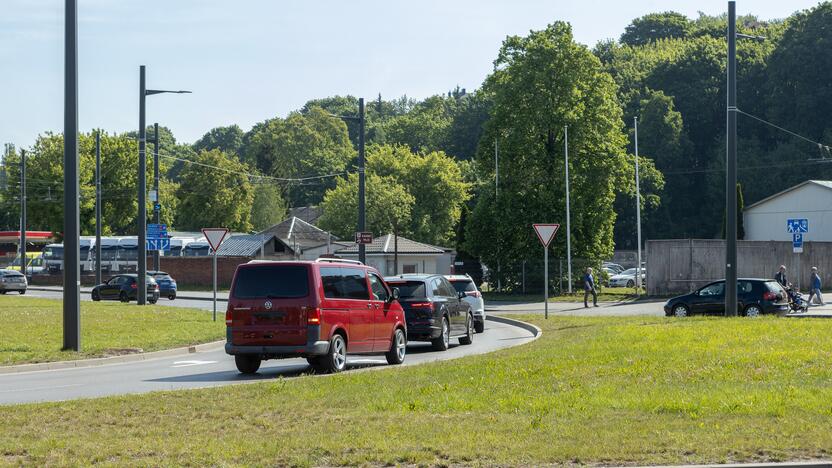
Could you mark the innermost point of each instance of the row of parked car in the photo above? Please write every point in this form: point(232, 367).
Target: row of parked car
point(324, 310)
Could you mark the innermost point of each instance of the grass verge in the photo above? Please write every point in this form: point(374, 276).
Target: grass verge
point(604, 295)
point(643, 390)
point(32, 329)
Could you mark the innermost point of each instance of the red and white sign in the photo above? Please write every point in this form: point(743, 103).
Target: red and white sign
point(546, 232)
point(215, 236)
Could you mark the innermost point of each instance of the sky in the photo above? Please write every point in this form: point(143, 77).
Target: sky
point(249, 60)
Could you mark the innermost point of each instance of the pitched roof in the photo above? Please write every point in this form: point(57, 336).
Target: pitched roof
point(827, 184)
point(246, 245)
point(297, 231)
point(386, 245)
point(310, 214)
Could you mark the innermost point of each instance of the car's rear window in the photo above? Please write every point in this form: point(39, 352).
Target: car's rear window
point(464, 286)
point(774, 286)
point(271, 281)
point(409, 289)
point(162, 277)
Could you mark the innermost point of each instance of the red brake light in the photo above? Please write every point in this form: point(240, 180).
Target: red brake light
point(422, 305)
point(473, 294)
point(228, 319)
point(313, 316)
point(133, 286)
point(769, 296)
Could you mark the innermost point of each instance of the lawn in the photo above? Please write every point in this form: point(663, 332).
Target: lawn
point(32, 329)
point(637, 390)
point(604, 294)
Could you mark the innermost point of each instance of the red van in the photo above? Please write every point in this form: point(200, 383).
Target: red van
point(319, 310)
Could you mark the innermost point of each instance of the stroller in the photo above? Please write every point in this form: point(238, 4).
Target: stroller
point(796, 300)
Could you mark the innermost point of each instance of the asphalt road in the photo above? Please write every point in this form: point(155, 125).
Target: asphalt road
point(204, 304)
point(211, 369)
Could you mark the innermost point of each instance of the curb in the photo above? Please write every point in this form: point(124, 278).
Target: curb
point(800, 464)
point(111, 360)
point(533, 329)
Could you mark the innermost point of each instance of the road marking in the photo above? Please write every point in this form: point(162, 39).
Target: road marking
point(192, 363)
point(31, 389)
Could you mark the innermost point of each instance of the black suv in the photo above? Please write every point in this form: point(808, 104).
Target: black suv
point(124, 289)
point(754, 297)
point(433, 309)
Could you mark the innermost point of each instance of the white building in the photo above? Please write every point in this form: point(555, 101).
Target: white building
point(812, 200)
point(414, 257)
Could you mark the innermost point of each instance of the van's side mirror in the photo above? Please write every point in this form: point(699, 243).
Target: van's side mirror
point(394, 296)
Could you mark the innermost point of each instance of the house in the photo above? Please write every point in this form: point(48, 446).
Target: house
point(766, 219)
point(413, 257)
point(297, 239)
point(248, 245)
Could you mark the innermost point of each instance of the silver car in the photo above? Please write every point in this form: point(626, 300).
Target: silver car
point(11, 280)
point(464, 283)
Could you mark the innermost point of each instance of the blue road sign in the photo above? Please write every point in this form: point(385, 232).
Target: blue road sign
point(797, 240)
point(157, 231)
point(797, 225)
point(158, 244)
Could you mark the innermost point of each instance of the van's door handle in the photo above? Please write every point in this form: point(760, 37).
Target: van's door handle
point(369, 305)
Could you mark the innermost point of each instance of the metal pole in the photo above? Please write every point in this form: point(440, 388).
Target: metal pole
point(72, 247)
point(156, 187)
point(98, 207)
point(361, 189)
point(546, 281)
point(23, 222)
point(638, 210)
point(214, 274)
point(524, 277)
point(496, 170)
point(731, 170)
point(141, 293)
point(568, 226)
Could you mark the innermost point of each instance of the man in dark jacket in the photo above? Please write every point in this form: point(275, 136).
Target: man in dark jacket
point(589, 288)
point(814, 290)
point(780, 277)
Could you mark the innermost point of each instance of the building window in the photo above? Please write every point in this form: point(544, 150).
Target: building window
point(409, 268)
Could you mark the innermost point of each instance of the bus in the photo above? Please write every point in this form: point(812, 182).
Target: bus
point(128, 255)
point(53, 258)
point(196, 249)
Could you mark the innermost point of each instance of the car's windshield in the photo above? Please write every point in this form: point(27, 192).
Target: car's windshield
point(409, 289)
point(271, 281)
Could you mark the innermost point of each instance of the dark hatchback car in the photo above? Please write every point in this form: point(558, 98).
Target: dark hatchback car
point(434, 310)
point(755, 297)
point(124, 288)
point(167, 285)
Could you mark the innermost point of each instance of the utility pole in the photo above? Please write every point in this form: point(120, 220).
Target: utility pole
point(98, 207)
point(638, 210)
point(72, 234)
point(141, 292)
point(23, 223)
point(496, 200)
point(156, 187)
point(731, 170)
point(568, 227)
point(362, 256)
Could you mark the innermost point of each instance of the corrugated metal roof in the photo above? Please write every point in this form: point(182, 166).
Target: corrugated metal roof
point(386, 244)
point(297, 231)
point(245, 245)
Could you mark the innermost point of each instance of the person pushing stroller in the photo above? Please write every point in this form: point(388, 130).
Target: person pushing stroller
point(796, 301)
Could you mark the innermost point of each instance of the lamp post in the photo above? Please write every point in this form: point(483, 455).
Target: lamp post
point(141, 293)
point(72, 233)
point(156, 188)
point(23, 222)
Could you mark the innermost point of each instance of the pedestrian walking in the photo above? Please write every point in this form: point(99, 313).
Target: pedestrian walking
point(815, 289)
point(780, 277)
point(589, 288)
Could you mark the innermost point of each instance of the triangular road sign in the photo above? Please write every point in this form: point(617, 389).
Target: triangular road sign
point(546, 232)
point(214, 236)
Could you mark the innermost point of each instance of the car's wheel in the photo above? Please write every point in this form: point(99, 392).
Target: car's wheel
point(123, 297)
point(22, 292)
point(336, 359)
point(469, 331)
point(681, 310)
point(630, 283)
point(753, 311)
point(247, 363)
point(398, 348)
point(96, 296)
point(444, 341)
point(479, 327)
point(151, 300)
point(172, 297)
point(2, 292)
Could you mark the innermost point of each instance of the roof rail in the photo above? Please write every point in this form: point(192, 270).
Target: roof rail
point(337, 260)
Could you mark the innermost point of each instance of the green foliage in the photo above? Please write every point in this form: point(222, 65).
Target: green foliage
point(655, 26)
point(268, 208)
point(210, 197)
point(226, 139)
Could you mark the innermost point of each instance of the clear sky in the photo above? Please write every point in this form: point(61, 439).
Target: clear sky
point(249, 60)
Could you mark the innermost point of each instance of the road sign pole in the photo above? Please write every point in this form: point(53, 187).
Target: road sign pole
point(568, 227)
point(546, 282)
point(214, 267)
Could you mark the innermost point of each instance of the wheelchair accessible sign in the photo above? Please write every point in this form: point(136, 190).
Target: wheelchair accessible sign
point(797, 227)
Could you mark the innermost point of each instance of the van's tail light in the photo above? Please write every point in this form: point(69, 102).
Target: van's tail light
point(476, 294)
point(228, 317)
point(313, 316)
point(134, 286)
point(769, 296)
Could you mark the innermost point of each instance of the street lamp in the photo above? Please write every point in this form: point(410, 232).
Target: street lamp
point(360, 118)
point(141, 293)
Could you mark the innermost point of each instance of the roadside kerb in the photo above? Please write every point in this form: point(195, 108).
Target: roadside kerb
point(184, 351)
point(533, 329)
point(799, 464)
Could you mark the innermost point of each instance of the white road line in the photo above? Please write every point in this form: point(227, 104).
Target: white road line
point(31, 389)
point(192, 363)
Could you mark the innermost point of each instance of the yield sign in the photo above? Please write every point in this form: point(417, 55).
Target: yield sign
point(546, 232)
point(214, 236)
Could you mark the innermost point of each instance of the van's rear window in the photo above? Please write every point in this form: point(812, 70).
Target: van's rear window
point(272, 281)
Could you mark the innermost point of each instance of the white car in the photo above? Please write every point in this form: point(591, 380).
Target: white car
point(627, 278)
point(464, 284)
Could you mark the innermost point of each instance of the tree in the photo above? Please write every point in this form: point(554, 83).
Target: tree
point(655, 26)
point(268, 208)
point(226, 139)
point(216, 192)
point(470, 264)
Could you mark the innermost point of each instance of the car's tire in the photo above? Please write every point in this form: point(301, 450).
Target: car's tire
point(680, 310)
point(753, 311)
point(96, 296)
point(631, 283)
point(443, 342)
point(152, 301)
point(123, 297)
point(172, 297)
point(247, 363)
point(469, 331)
point(22, 292)
point(2, 292)
point(336, 358)
point(398, 348)
point(479, 327)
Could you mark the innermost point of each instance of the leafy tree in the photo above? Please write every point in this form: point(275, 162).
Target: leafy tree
point(216, 192)
point(269, 207)
point(226, 139)
point(656, 26)
point(470, 264)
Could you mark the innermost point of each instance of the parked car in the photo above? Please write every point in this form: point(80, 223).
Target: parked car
point(465, 284)
point(322, 310)
point(754, 296)
point(613, 267)
point(167, 285)
point(435, 311)
point(125, 289)
point(11, 280)
point(627, 278)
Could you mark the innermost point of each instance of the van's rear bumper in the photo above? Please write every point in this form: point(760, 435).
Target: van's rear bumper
point(313, 347)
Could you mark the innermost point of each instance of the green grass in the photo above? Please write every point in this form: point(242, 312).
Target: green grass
point(641, 390)
point(32, 329)
point(605, 294)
